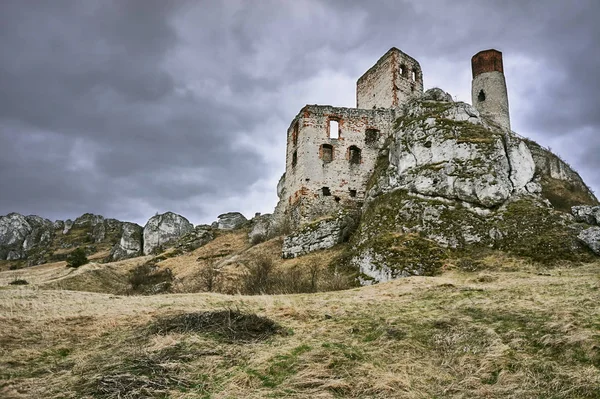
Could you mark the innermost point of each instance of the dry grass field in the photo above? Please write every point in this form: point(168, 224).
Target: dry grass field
point(513, 331)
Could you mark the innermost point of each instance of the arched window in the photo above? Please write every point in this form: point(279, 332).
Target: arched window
point(354, 154)
point(481, 96)
point(326, 152)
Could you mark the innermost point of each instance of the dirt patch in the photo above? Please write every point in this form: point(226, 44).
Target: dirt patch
point(229, 325)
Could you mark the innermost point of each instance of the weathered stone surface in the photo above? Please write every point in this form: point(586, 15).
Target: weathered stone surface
point(162, 230)
point(199, 236)
point(320, 234)
point(262, 228)
point(130, 244)
point(68, 226)
point(591, 238)
point(22, 235)
point(14, 228)
point(456, 157)
point(231, 221)
point(437, 94)
point(586, 214)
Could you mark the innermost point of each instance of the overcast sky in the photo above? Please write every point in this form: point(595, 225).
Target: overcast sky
point(126, 108)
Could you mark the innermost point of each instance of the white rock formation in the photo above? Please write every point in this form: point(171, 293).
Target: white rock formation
point(320, 234)
point(591, 238)
point(130, 244)
point(231, 221)
point(587, 214)
point(162, 229)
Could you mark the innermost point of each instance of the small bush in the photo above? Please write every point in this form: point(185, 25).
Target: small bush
point(230, 325)
point(19, 281)
point(148, 279)
point(77, 258)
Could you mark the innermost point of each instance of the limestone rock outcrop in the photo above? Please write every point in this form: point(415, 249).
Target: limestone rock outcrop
point(591, 238)
point(453, 180)
point(587, 214)
point(262, 228)
point(13, 231)
point(231, 221)
point(162, 230)
point(437, 94)
point(199, 236)
point(130, 244)
point(320, 234)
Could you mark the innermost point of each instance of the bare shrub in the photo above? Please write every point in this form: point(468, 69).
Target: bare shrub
point(210, 277)
point(148, 279)
point(259, 279)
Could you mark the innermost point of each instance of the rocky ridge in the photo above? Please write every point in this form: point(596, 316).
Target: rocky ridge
point(449, 180)
point(32, 240)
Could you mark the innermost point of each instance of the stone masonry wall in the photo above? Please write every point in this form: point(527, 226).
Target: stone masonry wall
point(309, 171)
point(394, 79)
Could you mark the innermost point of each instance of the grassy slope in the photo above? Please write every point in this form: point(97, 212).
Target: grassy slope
point(495, 335)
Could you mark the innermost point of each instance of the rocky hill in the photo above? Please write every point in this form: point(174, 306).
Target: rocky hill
point(451, 183)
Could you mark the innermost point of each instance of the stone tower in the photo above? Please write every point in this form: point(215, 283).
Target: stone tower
point(391, 82)
point(488, 89)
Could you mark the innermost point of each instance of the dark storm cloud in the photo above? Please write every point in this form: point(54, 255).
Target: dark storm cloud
point(126, 108)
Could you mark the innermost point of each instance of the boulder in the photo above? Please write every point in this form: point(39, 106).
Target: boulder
point(320, 234)
point(586, 214)
point(591, 238)
point(231, 221)
point(437, 94)
point(130, 244)
point(262, 228)
point(199, 236)
point(68, 225)
point(162, 230)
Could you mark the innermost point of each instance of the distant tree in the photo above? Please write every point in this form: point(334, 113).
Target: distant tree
point(77, 258)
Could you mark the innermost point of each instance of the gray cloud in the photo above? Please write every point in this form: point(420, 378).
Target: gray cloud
point(129, 108)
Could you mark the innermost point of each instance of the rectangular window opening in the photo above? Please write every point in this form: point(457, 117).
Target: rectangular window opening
point(352, 193)
point(334, 130)
point(326, 192)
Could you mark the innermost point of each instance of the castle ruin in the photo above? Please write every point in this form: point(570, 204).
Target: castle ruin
point(332, 151)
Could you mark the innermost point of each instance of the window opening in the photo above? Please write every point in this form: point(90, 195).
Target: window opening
point(325, 191)
point(403, 71)
point(413, 75)
point(334, 129)
point(353, 193)
point(371, 136)
point(295, 133)
point(481, 96)
point(337, 199)
point(354, 155)
point(294, 158)
point(327, 153)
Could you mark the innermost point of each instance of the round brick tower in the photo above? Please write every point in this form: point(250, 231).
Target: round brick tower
point(488, 89)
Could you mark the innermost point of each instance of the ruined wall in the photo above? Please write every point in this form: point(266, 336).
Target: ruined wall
point(394, 79)
point(317, 184)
